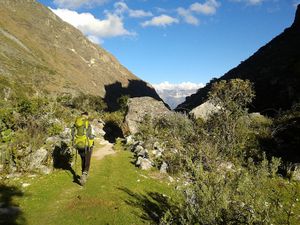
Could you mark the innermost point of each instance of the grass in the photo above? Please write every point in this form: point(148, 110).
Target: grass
point(116, 193)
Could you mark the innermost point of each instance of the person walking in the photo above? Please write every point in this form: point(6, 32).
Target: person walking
point(83, 140)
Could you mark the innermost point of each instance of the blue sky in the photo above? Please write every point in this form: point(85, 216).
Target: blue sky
point(178, 41)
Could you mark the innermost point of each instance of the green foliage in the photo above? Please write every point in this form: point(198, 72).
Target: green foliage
point(225, 177)
point(87, 102)
point(229, 127)
point(233, 95)
point(54, 129)
point(83, 102)
point(122, 102)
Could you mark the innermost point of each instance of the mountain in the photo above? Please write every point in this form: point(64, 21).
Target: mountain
point(41, 51)
point(173, 97)
point(274, 70)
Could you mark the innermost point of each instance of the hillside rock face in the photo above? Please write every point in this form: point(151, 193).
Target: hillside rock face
point(274, 69)
point(138, 108)
point(42, 51)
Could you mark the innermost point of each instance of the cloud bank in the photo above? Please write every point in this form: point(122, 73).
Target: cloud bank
point(181, 86)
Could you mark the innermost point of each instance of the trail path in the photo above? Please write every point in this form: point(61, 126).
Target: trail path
point(107, 149)
point(116, 192)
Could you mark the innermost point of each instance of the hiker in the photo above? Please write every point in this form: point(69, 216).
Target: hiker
point(83, 141)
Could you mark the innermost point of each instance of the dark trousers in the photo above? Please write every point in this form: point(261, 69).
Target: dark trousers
point(85, 159)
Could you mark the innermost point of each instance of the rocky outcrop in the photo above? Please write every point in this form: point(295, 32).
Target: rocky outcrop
point(204, 110)
point(145, 159)
point(138, 108)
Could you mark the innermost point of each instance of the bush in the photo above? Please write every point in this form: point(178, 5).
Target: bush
point(223, 175)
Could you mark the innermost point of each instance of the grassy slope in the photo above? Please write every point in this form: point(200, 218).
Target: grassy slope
point(116, 193)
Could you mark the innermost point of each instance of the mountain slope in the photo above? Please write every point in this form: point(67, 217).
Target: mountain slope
point(40, 50)
point(274, 69)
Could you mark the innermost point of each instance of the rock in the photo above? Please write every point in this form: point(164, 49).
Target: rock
point(54, 140)
point(143, 153)
point(25, 185)
point(204, 111)
point(157, 153)
point(138, 148)
point(146, 164)
point(171, 179)
point(163, 167)
point(296, 173)
point(138, 161)
point(129, 140)
point(44, 169)
point(37, 158)
point(138, 108)
point(66, 134)
point(98, 125)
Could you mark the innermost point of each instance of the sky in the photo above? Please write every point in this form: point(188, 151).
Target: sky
point(178, 41)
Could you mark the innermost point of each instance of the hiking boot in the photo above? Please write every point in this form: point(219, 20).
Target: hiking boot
point(83, 178)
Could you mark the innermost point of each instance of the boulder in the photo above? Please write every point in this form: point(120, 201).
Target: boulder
point(53, 141)
point(146, 164)
point(44, 169)
point(66, 134)
point(129, 140)
point(138, 161)
point(143, 153)
point(138, 148)
point(204, 111)
point(139, 107)
point(163, 167)
point(37, 158)
point(98, 125)
point(157, 153)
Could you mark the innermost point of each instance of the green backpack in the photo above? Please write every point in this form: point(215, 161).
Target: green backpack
point(81, 139)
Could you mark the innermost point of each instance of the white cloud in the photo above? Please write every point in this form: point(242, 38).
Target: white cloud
point(139, 13)
point(207, 8)
point(121, 8)
point(181, 86)
point(250, 2)
point(187, 16)
point(162, 20)
point(72, 4)
point(92, 27)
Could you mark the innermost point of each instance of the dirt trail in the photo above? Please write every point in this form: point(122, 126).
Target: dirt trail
point(107, 149)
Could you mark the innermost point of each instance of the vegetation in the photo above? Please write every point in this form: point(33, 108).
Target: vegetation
point(225, 176)
point(27, 121)
point(116, 193)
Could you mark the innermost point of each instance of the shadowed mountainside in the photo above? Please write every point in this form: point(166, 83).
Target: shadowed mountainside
point(274, 69)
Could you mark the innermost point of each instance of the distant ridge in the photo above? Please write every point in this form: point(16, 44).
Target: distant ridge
point(274, 69)
point(40, 50)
